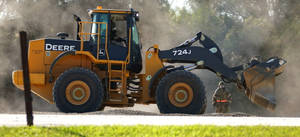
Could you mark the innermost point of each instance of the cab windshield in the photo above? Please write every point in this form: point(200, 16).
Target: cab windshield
point(99, 19)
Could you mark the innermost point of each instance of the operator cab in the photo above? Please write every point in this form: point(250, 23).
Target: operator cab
point(114, 36)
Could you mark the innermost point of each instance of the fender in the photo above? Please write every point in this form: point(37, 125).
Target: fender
point(61, 55)
point(155, 79)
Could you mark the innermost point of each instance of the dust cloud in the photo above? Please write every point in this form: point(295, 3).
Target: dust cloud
point(268, 36)
point(288, 84)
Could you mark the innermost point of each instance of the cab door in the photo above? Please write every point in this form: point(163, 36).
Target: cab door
point(118, 37)
point(135, 64)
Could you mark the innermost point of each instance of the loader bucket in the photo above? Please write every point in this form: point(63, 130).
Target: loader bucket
point(260, 82)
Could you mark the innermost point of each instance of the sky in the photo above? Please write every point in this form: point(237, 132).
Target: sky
point(178, 3)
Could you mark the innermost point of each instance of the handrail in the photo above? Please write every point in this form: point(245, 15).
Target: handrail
point(84, 35)
point(129, 45)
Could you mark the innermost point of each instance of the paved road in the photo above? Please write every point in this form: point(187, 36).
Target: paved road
point(77, 119)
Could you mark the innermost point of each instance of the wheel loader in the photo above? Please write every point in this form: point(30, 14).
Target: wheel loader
point(103, 67)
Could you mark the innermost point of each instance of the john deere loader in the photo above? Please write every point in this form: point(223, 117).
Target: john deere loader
point(102, 67)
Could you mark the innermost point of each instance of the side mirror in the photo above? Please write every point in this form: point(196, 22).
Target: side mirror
point(135, 14)
point(76, 18)
point(137, 17)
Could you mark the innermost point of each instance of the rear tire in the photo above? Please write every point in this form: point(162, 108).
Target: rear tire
point(181, 92)
point(78, 90)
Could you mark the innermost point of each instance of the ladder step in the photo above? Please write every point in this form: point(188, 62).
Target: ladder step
point(114, 96)
point(115, 90)
point(115, 80)
point(115, 100)
point(116, 71)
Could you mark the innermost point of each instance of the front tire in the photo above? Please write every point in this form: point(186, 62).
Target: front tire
point(181, 92)
point(78, 90)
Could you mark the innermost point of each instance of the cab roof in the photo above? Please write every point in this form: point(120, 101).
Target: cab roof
point(101, 10)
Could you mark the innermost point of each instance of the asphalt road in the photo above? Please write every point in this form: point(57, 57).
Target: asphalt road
point(104, 119)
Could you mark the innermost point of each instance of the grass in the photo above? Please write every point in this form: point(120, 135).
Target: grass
point(151, 131)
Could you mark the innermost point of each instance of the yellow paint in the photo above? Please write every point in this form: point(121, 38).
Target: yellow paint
point(73, 91)
point(111, 11)
point(35, 78)
point(129, 43)
point(153, 64)
point(36, 55)
point(99, 7)
point(38, 84)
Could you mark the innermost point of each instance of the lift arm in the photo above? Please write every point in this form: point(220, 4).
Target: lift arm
point(209, 56)
point(254, 77)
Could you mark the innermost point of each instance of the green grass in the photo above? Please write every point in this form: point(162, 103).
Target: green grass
point(151, 131)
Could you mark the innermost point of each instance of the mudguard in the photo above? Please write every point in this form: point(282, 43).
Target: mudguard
point(155, 80)
point(56, 60)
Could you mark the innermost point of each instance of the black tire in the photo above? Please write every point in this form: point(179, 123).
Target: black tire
point(101, 108)
point(96, 95)
point(197, 104)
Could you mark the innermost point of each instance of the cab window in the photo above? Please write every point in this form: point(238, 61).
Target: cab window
point(135, 33)
point(118, 33)
point(99, 17)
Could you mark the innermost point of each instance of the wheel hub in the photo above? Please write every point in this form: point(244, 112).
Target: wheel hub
point(77, 92)
point(180, 94)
